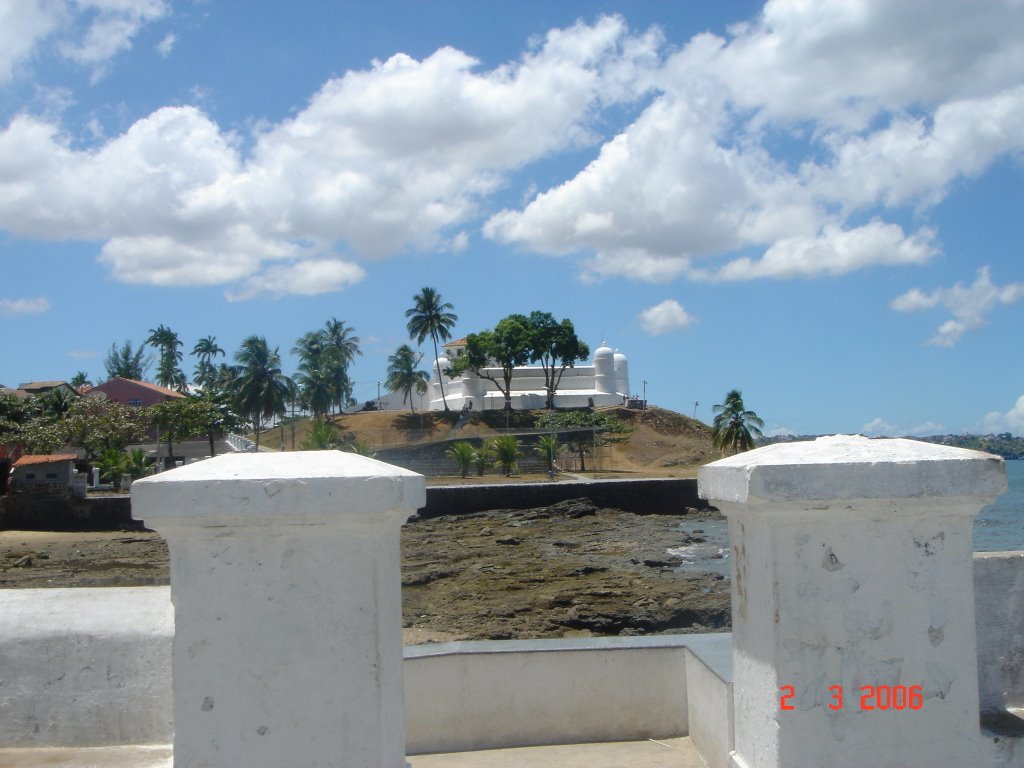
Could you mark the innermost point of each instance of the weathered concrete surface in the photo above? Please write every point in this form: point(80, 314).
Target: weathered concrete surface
point(85, 667)
point(999, 594)
point(852, 575)
point(285, 577)
point(668, 753)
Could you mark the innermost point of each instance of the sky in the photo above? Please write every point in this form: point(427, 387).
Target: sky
point(816, 203)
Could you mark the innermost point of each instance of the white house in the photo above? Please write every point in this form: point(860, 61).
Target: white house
point(604, 382)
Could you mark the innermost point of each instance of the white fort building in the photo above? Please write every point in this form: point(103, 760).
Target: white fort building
point(603, 382)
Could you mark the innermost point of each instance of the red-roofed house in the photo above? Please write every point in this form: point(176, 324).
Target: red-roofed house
point(56, 468)
point(130, 392)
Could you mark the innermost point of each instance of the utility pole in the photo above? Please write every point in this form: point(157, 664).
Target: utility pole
point(378, 397)
point(695, 404)
point(645, 394)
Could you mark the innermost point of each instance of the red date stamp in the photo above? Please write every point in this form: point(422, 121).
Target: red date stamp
point(872, 697)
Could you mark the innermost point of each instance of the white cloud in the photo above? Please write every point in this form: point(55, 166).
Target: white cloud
point(166, 44)
point(82, 354)
point(380, 161)
point(969, 305)
point(665, 317)
point(1011, 421)
point(304, 278)
point(883, 106)
point(23, 25)
point(834, 251)
point(782, 150)
point(87, 32)
point(14, 307)
point(878, 428)
point(110, 27)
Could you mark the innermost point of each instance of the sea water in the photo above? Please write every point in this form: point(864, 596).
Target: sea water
point(998, 527)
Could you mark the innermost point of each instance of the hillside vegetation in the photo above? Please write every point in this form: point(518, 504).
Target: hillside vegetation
point(657, 443)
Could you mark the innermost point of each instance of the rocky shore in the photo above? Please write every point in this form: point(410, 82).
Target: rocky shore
point(568, 569)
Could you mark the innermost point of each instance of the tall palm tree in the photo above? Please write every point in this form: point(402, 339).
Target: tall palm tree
point(316, 375)
point(735, 427)
point(429, 316)
point(341, 343)
point(205, 350)
point(166, 341)
point(403, 376)
point(262, 390)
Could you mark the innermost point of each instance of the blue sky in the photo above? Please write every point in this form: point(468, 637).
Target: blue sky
point(816, 203)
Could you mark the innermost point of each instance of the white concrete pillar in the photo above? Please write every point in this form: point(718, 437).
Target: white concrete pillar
point(852, 575)
point(285, 578)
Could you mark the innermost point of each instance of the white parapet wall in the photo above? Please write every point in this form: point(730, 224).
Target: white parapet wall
point(92, 667)
point(853, 608)
point(85, 667)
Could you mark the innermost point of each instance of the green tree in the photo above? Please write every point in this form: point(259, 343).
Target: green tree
point(113, 463)
point(430, 316)
point(80, 379)
point(506, 451)
point(137, 464)
point(15, 413)
point(548, 447)
point(183, 418)
point(403, 376)
point(322, 436)
point(205, 350)
point(261, 388)
point(316, 378)
point(734, 427)
point(507, 347)
point(96, 425)
point(167, 343)
point(462, 453)
point(556, 347)
point(483, 458)
point(585, 429)
point(127, 363)
point(341, 346)
point(56, 403)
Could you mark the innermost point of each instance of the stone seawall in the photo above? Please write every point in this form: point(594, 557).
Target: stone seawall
point(661, 496)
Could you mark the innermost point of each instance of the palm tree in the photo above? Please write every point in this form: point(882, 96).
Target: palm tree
point(483, 458)
point(462, 453)
point(735, 427)
point(168, 373)
point(79, 380)
point(261, 388)
point(316, 375)
point(506, 451)
point(548, 447)
point(403, 376)
point(429, 316)
point(205, 350)
point(342, 346)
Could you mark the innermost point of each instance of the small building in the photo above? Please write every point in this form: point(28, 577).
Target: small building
point(37, 388)
point(49, 469)
point(141, 394)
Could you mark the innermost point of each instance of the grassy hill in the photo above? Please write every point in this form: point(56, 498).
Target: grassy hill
point(658, 443)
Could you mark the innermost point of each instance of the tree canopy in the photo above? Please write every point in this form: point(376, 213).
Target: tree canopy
point(556, 347)
point(507, 347)
point(126, 362)
point(403, 376)
point(734, 427)
point(430, 316)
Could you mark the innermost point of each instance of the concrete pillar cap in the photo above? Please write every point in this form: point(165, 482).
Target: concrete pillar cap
point(298, 484)
point(843, 467)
